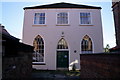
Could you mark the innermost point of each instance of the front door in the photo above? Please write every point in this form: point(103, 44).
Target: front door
point(62, 59)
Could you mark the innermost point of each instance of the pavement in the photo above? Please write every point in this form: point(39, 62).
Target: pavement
point(56, 75)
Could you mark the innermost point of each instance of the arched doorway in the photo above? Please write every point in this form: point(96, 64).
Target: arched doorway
point(62, 54)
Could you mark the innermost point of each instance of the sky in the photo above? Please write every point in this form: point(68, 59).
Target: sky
point(12, 15)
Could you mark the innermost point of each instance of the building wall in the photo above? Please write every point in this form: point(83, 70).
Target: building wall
point(73, 34)
point(116, 13)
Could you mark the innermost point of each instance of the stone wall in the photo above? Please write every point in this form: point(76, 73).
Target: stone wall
point(100, 65)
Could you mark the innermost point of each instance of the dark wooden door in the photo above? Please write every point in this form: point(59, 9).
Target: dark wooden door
point(62, 59)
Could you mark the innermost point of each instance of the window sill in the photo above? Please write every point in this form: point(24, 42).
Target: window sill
point(86, 25)
point(62, 25)
point(39, 25)
point(35, 63)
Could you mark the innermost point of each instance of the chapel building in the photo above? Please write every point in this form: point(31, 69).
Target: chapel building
point(60, 32)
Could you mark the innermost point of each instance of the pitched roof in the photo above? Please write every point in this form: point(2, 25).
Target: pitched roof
point(5, 34)
point(62, 5)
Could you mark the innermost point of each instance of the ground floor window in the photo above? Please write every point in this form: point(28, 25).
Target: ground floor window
point(86, 44)
point(38, 55)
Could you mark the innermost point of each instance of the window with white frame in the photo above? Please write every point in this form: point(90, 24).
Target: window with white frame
point(39, 18)
point(38, 55)
point(85, 18)
point(62, 44)
point(86, 44)
point(62, 18)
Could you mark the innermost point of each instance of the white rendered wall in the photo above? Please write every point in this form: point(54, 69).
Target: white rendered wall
point(73, 34)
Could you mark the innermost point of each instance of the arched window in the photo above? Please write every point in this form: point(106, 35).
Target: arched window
point(86, 44)
point(62, 44)
point(38, 55)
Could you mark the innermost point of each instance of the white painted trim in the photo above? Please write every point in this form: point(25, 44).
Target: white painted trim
point(68, 18)
point(85, 24)
point(91, 14)
point(40, 24)
point(44, 50)
point(92, 44)
point(62, 50)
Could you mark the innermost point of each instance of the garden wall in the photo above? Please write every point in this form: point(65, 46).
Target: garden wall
point(18, 66)
point(103, 65)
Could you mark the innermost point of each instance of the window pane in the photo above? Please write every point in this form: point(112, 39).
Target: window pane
point(85, 18)
point(62, 44)
point(39, 18)
point(86, 45)
point(38, 49)
point(62, 18)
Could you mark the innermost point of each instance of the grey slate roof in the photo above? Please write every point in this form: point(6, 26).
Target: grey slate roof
point(63, 5)
point(5, 34)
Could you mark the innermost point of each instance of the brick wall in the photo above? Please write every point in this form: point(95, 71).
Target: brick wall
point(116, 14)
point(100, 65)
point(18, 66)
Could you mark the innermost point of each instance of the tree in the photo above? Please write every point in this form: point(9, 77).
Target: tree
point(107, 48)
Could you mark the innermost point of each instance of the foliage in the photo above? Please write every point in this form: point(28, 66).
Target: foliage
point(107, 48)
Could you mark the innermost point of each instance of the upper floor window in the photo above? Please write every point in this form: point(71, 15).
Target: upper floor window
point(39, 18)
point(85, 18)
point(62, 18)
